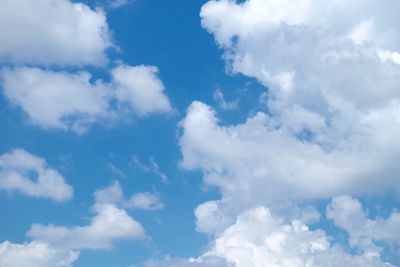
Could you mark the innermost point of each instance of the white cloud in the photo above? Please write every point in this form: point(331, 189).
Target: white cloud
point(109, 225)
point(218, 97)
point(348, 214)
point(21, 171)
point(56, 99)
point(142, 200)
point(333, 100)
point(35, 254)
point(110, 194)
point(56, 32)
point(325, 57)
point(141, 89)
point(73, 102)
point(257, 162)
point(259, 239)
point(333, 119)
point(210, 218)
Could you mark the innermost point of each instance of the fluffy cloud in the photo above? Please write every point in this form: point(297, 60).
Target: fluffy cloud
point(21, 171)
point(332, 95)
point(110, 224)
point(35, 254)
point(142, 200)
point(256, 163)
point(57, 31)
point(332, 77)
point(348, 214)
point(141, 89)
point(72, 102)
point(59, 246)
point(259, 239)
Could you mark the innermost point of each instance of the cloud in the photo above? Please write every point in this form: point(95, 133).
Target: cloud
point(142, 200)
point(218, 97)
point(57, 31)
point(110, 194)
point(333, 99)
point(348, 214)
point(68, 101)
point(118, 3)
point(151, 167)
point(258, 163)
point(109, 225)
point(332, 92)
point(141, 89)
point(258, 239)
point(21, 171)
point(195, 262)
point(35, 254)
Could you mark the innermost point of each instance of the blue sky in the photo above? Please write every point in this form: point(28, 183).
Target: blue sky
point(199, 133)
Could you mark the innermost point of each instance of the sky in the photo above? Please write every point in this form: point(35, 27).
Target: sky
point(212, 133)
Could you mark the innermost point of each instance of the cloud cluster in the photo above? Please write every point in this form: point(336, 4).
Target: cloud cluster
point(332, 79)
point(63, 33)
point(71, 101)
point(47, 32)
point(333, 98)
point(59, 246)
point(23, 172)
point(257, 238)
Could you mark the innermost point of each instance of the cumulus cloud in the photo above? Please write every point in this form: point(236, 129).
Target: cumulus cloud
point(141, 89)
point(73, 102)
point(332, 95)
point(257, 163)
point(258, 239)
point(332, 79)
point(57, 31)
point(21, 171)
point(141, 200)
point(348, 214)
point(35, 254)
point(110, 224)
